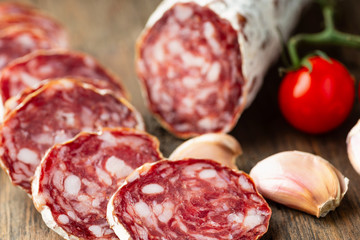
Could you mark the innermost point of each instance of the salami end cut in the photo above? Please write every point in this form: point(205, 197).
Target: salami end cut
point(75, 180)
point(188, 199)
point(201, 62)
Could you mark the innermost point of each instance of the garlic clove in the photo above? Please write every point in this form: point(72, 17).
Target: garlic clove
point(353, 146)
point(219, 147)
point(300, 180)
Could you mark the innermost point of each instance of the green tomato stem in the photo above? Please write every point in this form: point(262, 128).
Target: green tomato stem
point(329, 36)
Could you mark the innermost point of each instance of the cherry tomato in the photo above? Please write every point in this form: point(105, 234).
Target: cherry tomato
point(319, 100)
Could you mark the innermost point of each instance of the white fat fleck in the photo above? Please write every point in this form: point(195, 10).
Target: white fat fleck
point(175, 47)
point(182, 226)
point(105, 116)
point(207, 123)
point(28, 156)
point(191, 82)
point(152, 188)
point(142, 209)
point(26, 40)
point(190, 60)
point(72, 184)
point(108, 139)
point(252, 219)
point(71, 214)
point(159, 53)
point(96, 230)
point(182, 12)
point(245, 185)
point(117, 167)
point(166, 215)
point(42, 138)
point(58, 180)
point(205, 93)
point(3, 61)
point(2, 150)
point(60, 137)
point(103, 176)
point(158, 209)
point(207, 173)
point(95, 203)
point(235, 218)
point(45, 70)
point(63, 219)
point(89, 61)
point(28, 79)
point(255, 198)
point(209, 30)
point(214, 72)
point(191, 170)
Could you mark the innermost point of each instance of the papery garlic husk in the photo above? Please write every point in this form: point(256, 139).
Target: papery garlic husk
point(219, 147)
point(300, 180)
point(353, 146)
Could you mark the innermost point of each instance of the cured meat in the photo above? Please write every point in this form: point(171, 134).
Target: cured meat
point(201, 62)
point(54, 114)
point(19, 41)
point(190, 199)
point(75, 180)
point(30, 70)
point(52, 29)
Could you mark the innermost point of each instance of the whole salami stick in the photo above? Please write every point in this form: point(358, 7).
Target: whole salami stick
point(202, 62)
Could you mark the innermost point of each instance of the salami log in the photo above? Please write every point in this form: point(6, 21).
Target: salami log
point(53, 114)
point(191, 199)
point(18, 41)
point(75, 180)
point(201, 62)
point(30, 70)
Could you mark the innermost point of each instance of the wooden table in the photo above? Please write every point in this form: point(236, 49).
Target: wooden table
point(107, 30)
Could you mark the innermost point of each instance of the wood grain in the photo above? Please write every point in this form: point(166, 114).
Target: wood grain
point(108, 31)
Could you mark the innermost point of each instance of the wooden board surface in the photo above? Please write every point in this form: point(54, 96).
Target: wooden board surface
point(108, 29)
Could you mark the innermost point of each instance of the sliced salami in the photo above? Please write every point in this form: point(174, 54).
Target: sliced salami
point(191, 199)
point(18, 41)
point(75, 180)
point(30, 70)
point(52, 29)
point(53, 114)
point(202, 61)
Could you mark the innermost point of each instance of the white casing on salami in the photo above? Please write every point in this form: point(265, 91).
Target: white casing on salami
point(267, 24)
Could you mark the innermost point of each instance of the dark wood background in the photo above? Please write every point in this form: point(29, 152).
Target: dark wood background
point(108, 29)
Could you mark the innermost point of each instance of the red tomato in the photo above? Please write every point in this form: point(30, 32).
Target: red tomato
point(317, 101)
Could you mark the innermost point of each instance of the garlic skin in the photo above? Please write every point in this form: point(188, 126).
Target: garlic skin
point(300, 180)
point(219, 147)
point(353, 146)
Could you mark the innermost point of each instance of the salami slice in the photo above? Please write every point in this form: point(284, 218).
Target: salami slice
point(190, 199)
point(53, 114)
point(52, 29)
point(75, 180)
point(19, 41)
point(30, 70)
point(201, 62)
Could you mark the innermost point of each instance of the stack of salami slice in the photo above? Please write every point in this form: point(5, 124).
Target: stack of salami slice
point(72, 141)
